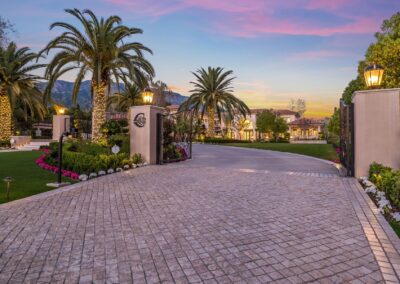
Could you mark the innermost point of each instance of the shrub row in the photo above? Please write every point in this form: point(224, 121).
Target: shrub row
point(217, 140)
point(5, 143)
point(387, 180)
point(86, 157)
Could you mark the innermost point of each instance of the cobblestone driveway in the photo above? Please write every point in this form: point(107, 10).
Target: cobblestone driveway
point(189, 223)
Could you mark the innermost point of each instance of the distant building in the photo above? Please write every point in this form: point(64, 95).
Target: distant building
point(306, 129)
point(249, 132)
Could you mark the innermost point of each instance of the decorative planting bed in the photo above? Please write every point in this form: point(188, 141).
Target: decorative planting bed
point(383, 187)
point(85, 160)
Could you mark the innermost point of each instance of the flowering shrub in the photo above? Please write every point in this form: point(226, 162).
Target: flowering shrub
point(41, 162)
point(79, 165)
point(387, 180)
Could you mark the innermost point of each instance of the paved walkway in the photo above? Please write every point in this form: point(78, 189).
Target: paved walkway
point(199, 221)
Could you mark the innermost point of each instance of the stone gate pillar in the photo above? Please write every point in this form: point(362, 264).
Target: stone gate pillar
point(144, 131)
point(376, 129)
point(61, 123)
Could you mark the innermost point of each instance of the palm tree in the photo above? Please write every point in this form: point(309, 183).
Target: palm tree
point(132, 95)
point(161, 91)
point(102, 49)
point(213, 93)
point(17, 87)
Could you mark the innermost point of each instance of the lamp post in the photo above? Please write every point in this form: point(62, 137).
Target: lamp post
point(59, 164)
point(373, 75)
point(8, 181)
point(147, 96)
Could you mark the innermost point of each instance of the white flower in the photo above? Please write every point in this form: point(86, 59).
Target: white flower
point(126, 167)
point(144, 164)
point(134, 166)
point(118, 170)
point(371, 189)
point(92, 175)
point(101, 173)
point(396, 216)
point(110, 171)
point(380, 194)
point(383, 202)
point(83, 177)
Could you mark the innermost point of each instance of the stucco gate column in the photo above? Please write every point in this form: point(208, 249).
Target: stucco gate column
point(376, 129)
point(143, 131)
point(61, 123)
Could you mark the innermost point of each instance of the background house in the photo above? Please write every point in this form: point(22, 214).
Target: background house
point(306, 129)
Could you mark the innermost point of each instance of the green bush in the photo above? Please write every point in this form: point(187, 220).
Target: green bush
point(122, 141)
point(387, 180)
point(375, 172)
point(113, 127)
point(5, 143)
point(217, 140)
point(137, 158)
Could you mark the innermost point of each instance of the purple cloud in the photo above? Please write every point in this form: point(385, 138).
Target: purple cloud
point(259, 17)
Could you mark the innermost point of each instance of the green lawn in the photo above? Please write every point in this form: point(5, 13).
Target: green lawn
point(322, 151)
point(29, 179)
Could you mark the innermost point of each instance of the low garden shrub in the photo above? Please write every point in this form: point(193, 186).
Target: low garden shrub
point(387, 180)
point(84, 157)
point(217, 140)
point(122, 141)
point(5, 143)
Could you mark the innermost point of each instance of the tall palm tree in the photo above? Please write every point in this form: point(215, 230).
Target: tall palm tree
point(132, 95)
point(213, 93)
point(18, 88)
point(101, 48)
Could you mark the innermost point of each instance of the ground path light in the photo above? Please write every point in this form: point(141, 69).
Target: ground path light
point(373, 75)
point(8, 181)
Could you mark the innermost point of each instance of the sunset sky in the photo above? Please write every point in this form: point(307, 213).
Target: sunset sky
point(278, 49)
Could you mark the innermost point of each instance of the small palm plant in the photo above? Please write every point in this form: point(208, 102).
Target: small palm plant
point(213, 94)
point(131, 96)
point(100, 48)
point(18, 88)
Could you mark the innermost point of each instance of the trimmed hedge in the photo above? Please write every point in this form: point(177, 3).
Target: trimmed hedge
point(87, 157)
point(217, 140)
point(387, 180)
point(5, 143)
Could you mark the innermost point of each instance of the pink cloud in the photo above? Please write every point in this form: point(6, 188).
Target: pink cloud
point(253, 18)
point(318, 54)
point(327, 4)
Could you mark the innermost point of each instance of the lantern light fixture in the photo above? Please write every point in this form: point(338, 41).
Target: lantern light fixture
point(147, 96)
point(60, 110)
point(373, 75)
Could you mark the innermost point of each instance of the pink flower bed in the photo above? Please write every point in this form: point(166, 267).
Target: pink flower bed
point(41, 163)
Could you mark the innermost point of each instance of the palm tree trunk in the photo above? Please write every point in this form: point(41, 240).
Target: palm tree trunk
point(5, 115)
point(99, 109)
point(211, 122)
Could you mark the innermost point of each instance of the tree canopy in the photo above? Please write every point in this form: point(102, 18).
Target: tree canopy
point(5, 29)
point(385, 51)
point(265, 121)
point(213, 94)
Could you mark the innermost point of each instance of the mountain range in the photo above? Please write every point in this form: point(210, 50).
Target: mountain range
point(62, 91)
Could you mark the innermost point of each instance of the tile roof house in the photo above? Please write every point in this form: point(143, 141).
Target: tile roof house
point(306, 128)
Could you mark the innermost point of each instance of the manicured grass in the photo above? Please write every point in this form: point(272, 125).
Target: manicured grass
point(29, 179)
point(322, 151)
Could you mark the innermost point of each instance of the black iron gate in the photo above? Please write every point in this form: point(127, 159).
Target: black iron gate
point(174, 137)
point(347, 136)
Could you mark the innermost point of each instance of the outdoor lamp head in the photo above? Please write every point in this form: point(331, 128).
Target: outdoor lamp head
point(373, 75)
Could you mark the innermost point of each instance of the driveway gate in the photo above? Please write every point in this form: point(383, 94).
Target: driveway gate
point(174, 134)
point(347, 136)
